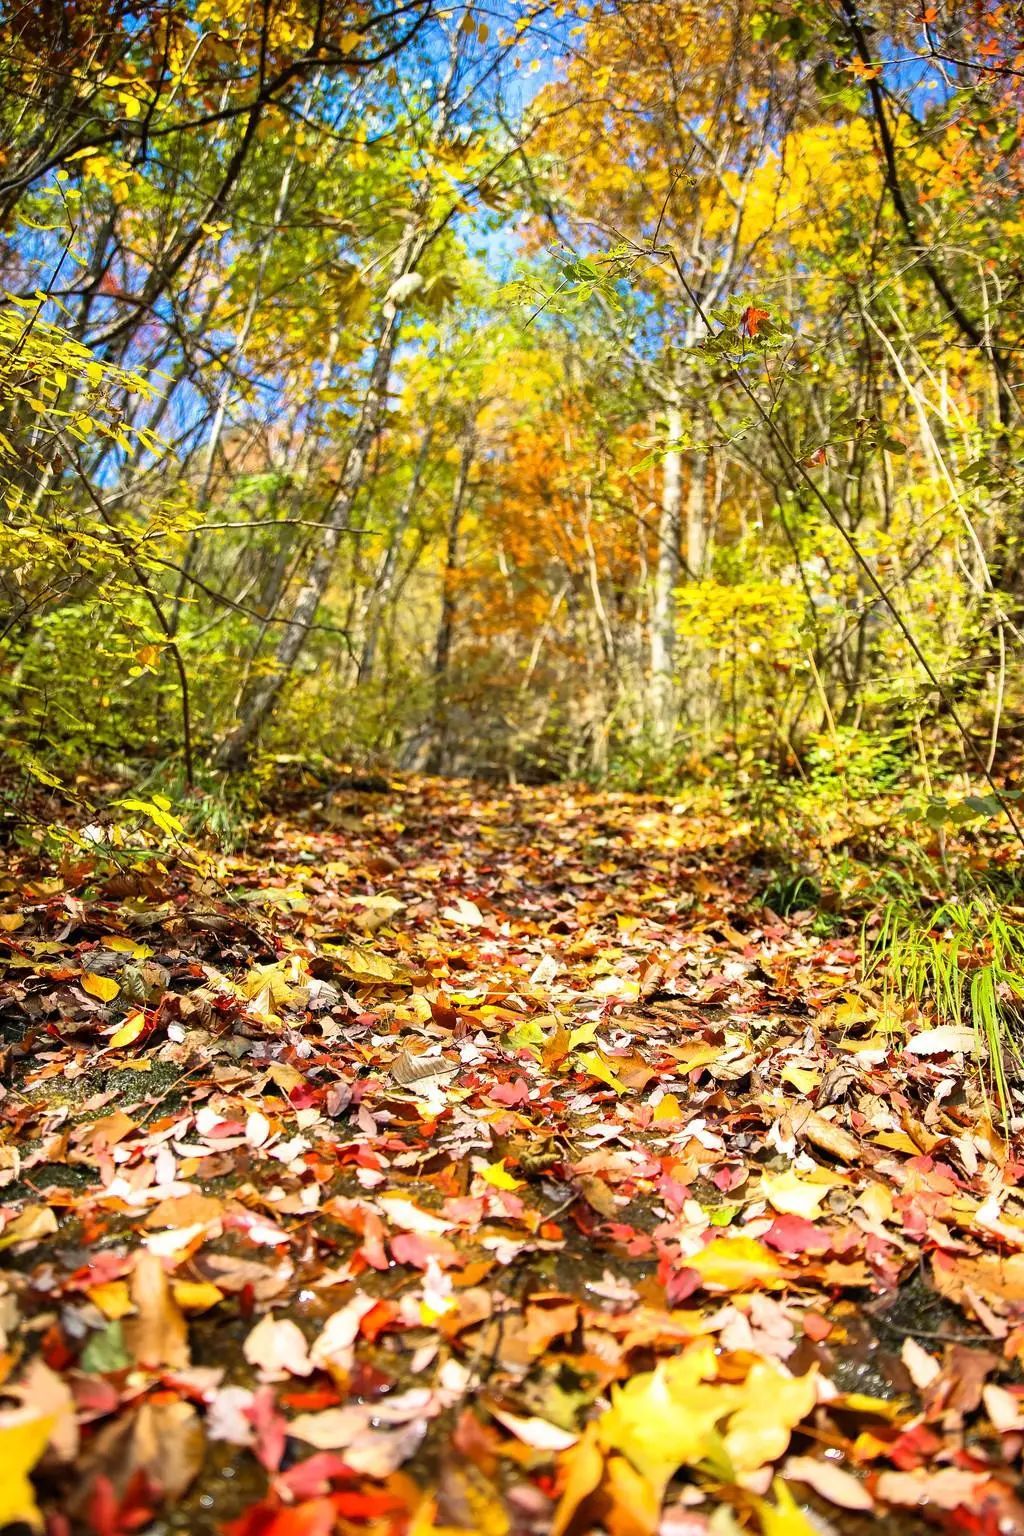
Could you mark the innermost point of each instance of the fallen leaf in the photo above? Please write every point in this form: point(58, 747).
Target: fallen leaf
point(784, 1517)
point(24, 1435)
point(157, 1334)
point(277, 1348)
point(773, 1404)
point(792, 1195)
point(497, 1175)
point(533, 1431)
point(922, 1367)
point(196, 1295)
point(133, 1026)
point(35, 1221)
point(103, 987)
point(945, 1040)
point(828, 1136)
point(735, 1263)
point(832, 1482)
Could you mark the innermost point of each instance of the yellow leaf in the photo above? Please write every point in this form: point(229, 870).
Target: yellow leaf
point(669, 1108)
point(34, 1222)
point(495, 1173)
point(892, 1408)
point(112, 1298)
point(853, 1011)
point(735, 1264)
point(635, 1506)
point(583, 1034)
point(793, 1196)
point(668, 1418)
point(696, 1055)
point(785, 1518)
point(759, 1431)
point(125, 946)
point(365, 965)
point(11, 921)
point(582, 1467)
point(129, 1031)
point(23, 1439)
point(103, 987)
point(682, 1415)
point(594, 1063)
point(876, 1202)
point(196, 1295)
point(803, 1079)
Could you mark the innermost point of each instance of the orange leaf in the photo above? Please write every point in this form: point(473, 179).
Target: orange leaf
point(103, 987)
point(752, 320)
point(129, 1031)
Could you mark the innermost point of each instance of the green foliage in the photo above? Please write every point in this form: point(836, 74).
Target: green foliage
point(964, 960)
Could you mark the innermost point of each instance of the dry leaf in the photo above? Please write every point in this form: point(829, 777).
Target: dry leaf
point(157, 1335)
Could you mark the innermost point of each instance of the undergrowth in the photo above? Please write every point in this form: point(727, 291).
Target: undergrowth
point(935, 886)
point(965, 961)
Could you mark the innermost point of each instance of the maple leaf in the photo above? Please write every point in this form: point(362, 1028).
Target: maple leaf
point(669, 1417)
point(735, 1263)
point(774, 1402)
point(23, 1438)
point(683, 1414)
point(752, 320)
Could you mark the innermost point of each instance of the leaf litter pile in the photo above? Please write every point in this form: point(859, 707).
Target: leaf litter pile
point(468, 1160)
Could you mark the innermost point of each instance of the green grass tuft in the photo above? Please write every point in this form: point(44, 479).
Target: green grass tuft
point(964, 960)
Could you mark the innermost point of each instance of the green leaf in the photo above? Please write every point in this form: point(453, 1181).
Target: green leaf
point(105, 1351)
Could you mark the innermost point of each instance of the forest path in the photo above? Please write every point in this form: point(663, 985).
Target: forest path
point(346, 1177)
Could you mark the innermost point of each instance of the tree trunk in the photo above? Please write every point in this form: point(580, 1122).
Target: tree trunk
point(446, 623)
point(384, 584)
point(661, 692)
point(697, 515)
point(236, 747)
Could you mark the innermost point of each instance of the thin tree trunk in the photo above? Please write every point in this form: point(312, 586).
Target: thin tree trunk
point(661, 693)
point(227, 385)
point(389, 565)
point(697, 515)
point(446, 623)
point(236, 747)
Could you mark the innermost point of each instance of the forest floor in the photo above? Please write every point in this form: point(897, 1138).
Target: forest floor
point(472, 1160)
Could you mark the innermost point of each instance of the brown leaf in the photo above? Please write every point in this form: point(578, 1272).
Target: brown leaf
point(158, 1334)
point(829, 1137)
point(164, 1440)
point(185, 1211)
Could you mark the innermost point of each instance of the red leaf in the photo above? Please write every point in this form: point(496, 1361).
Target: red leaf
point(312, 1478)
point(793, 1234)
point(315, 1517)
point(752, 320)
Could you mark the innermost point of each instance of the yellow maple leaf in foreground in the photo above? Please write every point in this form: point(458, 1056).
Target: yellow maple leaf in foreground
point(683, 1415)
point(23, 1439)
point(668, 1418)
